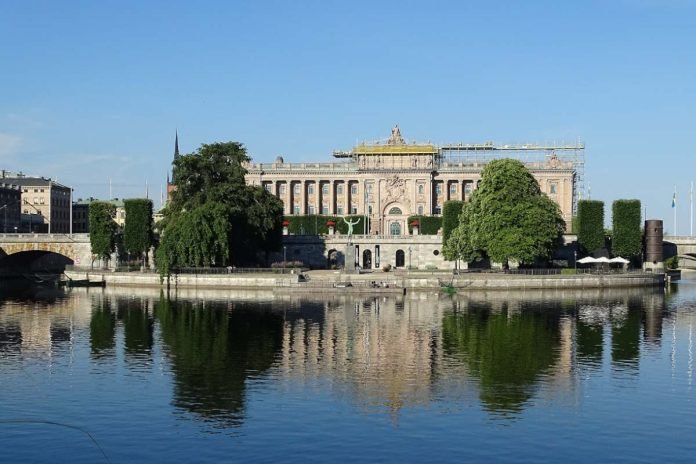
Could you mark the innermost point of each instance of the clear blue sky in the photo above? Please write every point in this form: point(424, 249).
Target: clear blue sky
point(94, 90)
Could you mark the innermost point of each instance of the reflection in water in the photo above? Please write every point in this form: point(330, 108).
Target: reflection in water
point(138, 328)
point(102, 329)
point(506, 350)
point(213, 348)
point(500, 350)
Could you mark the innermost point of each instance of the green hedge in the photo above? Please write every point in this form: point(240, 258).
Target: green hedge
point(429, 225)
point(450, 217)
point(315, 224)
point(137, 233)
point(590, 225)
point(627, 236)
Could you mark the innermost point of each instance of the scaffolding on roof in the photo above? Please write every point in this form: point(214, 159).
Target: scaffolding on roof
point(528, 153)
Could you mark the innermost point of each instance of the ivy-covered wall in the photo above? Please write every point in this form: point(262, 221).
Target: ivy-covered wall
point(590, 224)
point(450, 217)
point(627, 236)
point(315, 224)
point(429, 225)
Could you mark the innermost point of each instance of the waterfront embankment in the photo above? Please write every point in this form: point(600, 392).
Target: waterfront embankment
point(324, 281)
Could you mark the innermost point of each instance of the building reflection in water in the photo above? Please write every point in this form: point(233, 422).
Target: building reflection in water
point(503, 350)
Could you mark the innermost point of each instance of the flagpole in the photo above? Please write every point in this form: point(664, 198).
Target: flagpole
point(674, 202)
point(691, 214)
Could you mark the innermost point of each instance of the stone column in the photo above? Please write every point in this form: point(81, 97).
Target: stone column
point(347, 197)
point(332, 197)
point(303, 197)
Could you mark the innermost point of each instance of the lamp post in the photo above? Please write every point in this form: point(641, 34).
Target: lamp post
point(285, 260)
point(409, 258)
point(575, 260)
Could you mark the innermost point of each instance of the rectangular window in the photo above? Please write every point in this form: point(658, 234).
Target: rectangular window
point(311, 209)
point(339, 189)
point(339, 210)
point(325, 210)
point(438, 188)
point(453, 188)
point(269, 188)
point(296, 209)
point(281, 189)
point(552, 188)
point(296, 189)
point(325, 189)
point(310, 189)
point(420, 210)
point(36, 200)
point(42, 200)
point(438, 209)
point(467, 187)
point(354, 209)
point(354, 189)
point(369, 188)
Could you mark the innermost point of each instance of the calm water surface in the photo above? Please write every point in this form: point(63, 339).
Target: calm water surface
point(130, 375)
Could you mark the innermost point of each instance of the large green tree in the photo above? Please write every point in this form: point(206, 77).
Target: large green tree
point(626, 234)
point(214, 218)
point(102, 229)
point(137, 233)
point(508, 218)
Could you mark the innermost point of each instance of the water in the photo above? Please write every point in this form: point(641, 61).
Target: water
point(127, 375)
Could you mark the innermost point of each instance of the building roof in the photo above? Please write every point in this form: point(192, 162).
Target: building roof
point(25, 181)
point(87, 201)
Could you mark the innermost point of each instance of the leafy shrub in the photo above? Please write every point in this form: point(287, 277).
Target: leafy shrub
point(672, 262)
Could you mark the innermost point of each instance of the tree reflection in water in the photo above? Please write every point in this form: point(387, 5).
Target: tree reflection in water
point(213, 347)
point(506, 351)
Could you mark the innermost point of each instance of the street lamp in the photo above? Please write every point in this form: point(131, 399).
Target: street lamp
point(575, 260)
point(285, 260)
point(409, 258)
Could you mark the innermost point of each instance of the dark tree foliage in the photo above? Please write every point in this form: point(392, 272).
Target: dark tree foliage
point(137, 233)
point(214, 218)
point(450, 217)
point(508, 218)
point(627, 237)
point(429, 225)
point(590, 225)
point(102, 229)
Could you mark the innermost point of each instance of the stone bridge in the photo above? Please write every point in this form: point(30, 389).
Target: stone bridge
point(682, 246)
point(20, 250)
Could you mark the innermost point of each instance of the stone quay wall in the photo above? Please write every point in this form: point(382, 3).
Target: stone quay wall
point(323, 280)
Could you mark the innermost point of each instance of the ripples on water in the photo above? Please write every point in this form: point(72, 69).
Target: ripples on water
point(220, 376)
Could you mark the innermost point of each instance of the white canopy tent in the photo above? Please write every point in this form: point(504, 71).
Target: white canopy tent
point(587, 260)
point(619, 260)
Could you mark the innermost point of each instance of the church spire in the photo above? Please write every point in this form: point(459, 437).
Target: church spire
point(176, 145)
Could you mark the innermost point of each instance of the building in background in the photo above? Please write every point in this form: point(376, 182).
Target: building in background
point(10, 207)
point(388, 181)
point(46, 204)
point(81, 214)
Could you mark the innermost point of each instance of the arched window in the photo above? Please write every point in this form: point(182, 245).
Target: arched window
point(395, 228)
point(395, 211)
point(420, 189)
point(420, 210)
point(400, 258)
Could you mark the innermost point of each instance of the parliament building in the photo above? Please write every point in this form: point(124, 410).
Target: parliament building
point(387, 181)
